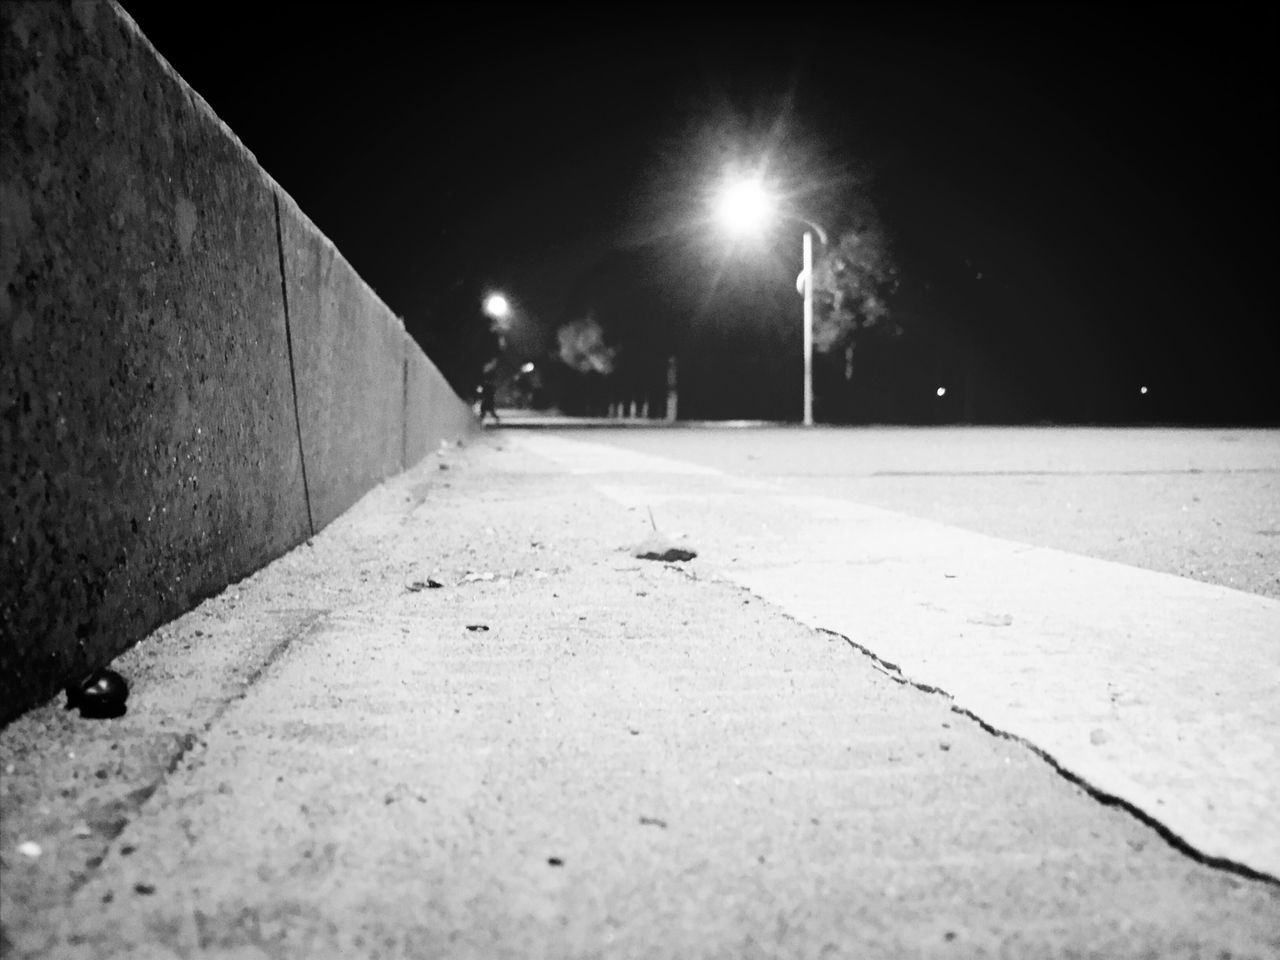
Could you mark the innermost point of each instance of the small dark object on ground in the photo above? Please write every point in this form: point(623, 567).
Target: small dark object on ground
point(100, 696)
point(420, 585)
point(661, 547)
point(477, 627)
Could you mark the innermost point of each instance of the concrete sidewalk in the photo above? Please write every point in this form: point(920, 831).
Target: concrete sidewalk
point(559, 752)
point(1155, 690)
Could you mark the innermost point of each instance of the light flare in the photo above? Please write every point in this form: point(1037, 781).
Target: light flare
point(744, 206)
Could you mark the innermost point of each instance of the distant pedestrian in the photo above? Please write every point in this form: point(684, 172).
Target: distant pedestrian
point(488, 392)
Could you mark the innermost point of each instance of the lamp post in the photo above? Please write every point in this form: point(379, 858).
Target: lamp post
point(744, 206)
point(806, 283)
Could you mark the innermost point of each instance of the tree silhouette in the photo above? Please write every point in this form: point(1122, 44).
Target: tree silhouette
point(853, 281)
point(582, 347)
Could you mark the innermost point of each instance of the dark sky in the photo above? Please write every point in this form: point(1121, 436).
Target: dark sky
point(1107, 168)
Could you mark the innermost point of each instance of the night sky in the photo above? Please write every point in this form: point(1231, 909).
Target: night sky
point(1106, 169)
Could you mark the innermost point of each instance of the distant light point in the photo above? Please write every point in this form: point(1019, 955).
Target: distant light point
point(942, 391)
point(496, 306)
point(1143, 391)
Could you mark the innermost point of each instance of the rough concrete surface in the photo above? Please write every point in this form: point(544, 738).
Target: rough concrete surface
point(1154, 689)
point(562, 751)
point(147, 435)
point(1201, 503)
point(432, 411)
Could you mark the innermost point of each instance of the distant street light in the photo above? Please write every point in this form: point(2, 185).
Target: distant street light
point(496, 307)
point(500, 313)
point(746, 206)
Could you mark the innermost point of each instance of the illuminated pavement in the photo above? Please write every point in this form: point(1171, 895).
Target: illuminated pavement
point(565, 752)
point(1154, 689)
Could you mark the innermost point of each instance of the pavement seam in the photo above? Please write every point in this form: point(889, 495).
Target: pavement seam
point(277, 651)
point(185, 743)
point(1111, 800)
point(894, 673)
point(891, 671)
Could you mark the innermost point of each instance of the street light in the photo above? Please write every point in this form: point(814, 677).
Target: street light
point(500, 313)
point(496, 307)
point(746, 206)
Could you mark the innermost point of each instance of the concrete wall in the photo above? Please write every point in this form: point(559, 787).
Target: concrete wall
point(160, 299)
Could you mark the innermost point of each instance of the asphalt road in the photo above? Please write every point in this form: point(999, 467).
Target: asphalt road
point(1197, 503)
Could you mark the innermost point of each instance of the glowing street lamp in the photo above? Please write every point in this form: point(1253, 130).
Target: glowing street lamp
point(496, 307)
point(746, 206)
point(500, 313)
